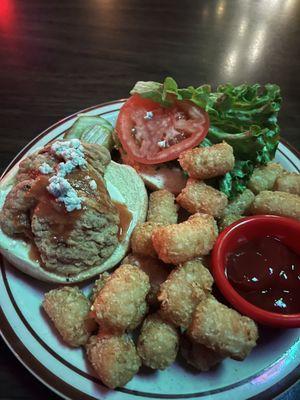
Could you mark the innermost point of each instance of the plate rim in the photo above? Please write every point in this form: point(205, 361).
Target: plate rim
point(285, 383)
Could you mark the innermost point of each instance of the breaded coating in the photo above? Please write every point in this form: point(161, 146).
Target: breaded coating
point(277, 203)
point(98, 285)
point(68, 309)
point(114, 358)
point(222, 329)
point(162, 207)
point(120, 304)
point(185, 287)
point(199, 197)
point(182, 242)
point(158, 342)
point(288, 182)
point(141, 242)
point(207, 162)
point(199, 356)
point(264, 177)
point(156, 270)
point(227, 220)
point(15, 214)
point(241, 204)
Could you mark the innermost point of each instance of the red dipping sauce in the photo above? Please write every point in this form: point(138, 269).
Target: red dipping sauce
point(266, 273)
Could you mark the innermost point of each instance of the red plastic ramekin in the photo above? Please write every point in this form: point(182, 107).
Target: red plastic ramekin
point(249, 228)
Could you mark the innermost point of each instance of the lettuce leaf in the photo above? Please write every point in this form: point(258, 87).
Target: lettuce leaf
point(234, 182)
point(245, 116)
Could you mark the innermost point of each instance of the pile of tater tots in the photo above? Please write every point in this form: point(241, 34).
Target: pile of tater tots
point(162, 291)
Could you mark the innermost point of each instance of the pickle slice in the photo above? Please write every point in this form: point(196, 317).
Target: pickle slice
point(92, 129)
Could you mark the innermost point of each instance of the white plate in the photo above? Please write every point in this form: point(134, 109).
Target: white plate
point(26, 330)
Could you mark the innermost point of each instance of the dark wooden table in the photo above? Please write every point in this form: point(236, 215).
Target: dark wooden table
point(60, 56)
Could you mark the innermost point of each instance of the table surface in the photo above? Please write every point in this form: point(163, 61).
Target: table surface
point(60, 56)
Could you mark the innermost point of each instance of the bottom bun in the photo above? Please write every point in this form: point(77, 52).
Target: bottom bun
point(124, 186)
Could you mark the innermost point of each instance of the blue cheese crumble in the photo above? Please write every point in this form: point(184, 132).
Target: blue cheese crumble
point(64, 169)
point(72, 152)
point(45, 169)
point(149, 115)
point(61, 189)
point(93, 184)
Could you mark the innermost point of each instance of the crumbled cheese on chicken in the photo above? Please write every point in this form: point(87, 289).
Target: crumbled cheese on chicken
point(93, 184)
point(70, 150)
point(65, 168)
point(45, 169)
point(61, 189)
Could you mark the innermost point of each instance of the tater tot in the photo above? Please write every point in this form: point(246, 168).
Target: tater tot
point(185, 287)
point(199, 356)
point(68, 309)
point(158, 342)
point(182, 242)
point(264, 177)
point(227, 220)
point(222, 329)
point(207, 162)
point(156, 270)
point(141, 238)
point(162, 207)
point(289, 182)
point(120, 304)
point(241, 204)
point(98, 285)
point(277, 203)
point(199, 197)
point(114, 358)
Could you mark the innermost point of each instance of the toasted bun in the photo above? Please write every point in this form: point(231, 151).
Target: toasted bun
point(123, 184)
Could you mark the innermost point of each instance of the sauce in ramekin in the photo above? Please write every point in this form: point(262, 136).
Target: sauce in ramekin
point(266, 273)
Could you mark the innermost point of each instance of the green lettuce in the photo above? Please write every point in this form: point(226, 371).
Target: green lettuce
point(234, 182)
point(245, 116)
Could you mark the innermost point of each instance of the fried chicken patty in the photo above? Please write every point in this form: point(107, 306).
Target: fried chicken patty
point(68, 242)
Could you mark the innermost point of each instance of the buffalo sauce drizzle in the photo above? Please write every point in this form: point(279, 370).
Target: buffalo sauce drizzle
point(267, 274)
point(34, 253)
point(61, 221)
point(125, 219)
point(80, 182)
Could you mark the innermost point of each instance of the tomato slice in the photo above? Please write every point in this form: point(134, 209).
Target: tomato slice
point(152, 134)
